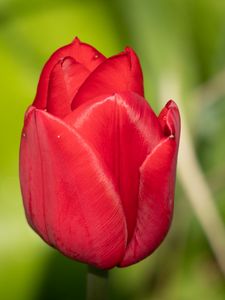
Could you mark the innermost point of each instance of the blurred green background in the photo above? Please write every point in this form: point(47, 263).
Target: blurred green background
point(181, 45)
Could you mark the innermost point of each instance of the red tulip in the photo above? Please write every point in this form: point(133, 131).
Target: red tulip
point(97, 166)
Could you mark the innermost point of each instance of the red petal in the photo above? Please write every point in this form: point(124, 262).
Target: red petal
point(123, 129)
point(169, 119)
point(31, 176)
point(65, 79)
point(83, 53)
point(75, 74)
point(68, 194)
point(156, 193)
point(117, 74)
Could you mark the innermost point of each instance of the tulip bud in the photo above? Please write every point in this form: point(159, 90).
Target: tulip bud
point(97, 166)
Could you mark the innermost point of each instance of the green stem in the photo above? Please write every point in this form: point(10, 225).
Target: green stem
point(96, 284)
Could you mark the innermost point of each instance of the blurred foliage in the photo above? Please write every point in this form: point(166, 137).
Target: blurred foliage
point(186, 37)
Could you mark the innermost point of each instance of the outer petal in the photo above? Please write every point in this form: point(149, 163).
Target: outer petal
point(117, 74)
point(83, 53)
point(156, 191)
point(123, 129)
point(82, 218)
point(31, 176)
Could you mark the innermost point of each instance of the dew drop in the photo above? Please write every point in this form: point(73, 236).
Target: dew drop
point(96, 56)
point(172, 136)
point(58, 136)
point(24, 134)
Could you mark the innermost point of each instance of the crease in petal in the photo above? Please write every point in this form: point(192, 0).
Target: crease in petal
point(84, 220)
point(75, 74)
point(64, 81)
point(123, 129)
point(83, 53)
point(116, 74)
point(156, 191)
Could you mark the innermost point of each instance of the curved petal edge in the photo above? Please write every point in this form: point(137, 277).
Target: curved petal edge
point(57, 193)
point(156, 190)
point(83, 53)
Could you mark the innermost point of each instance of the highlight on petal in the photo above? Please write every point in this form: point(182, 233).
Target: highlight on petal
point(123, 129)
point(83, 54)
point(116, 74)
point(156, 191)
point(84, 221)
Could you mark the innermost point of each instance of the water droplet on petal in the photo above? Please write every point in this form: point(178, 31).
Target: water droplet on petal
point(172, 136)
point(24, 134)
point(58, 136)
point(96, 56)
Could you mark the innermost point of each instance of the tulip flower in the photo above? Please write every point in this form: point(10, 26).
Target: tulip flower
point(97, 165)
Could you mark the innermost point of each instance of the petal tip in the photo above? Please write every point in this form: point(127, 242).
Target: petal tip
point(171, 104)
point(128, 49)
point(76, 40)
point(169, 119)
